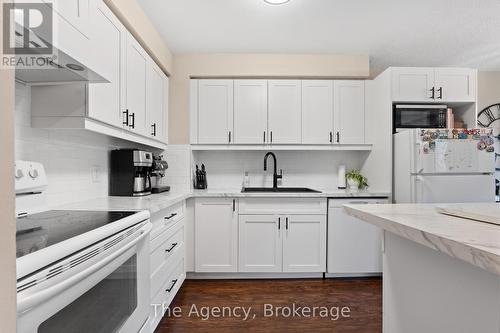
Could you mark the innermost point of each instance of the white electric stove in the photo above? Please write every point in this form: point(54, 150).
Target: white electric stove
point(78, 271)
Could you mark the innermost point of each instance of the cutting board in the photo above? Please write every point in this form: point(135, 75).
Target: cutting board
point(487, 213)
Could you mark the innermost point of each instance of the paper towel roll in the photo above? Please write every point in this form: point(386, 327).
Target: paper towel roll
point(341, 177)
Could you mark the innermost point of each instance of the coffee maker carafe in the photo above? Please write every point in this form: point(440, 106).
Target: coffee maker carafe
point(130, 172)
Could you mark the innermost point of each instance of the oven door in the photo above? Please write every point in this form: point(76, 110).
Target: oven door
point(420, 116)
point(108, 293)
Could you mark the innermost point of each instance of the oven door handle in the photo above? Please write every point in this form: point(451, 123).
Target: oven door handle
point(25, 303)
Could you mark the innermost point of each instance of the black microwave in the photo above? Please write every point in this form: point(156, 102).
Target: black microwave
point(419, 116)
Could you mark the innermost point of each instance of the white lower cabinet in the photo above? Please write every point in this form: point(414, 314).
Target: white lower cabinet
point(282, 235)
point(260, 243)
point(354, 246)
point(216, 235)
point(167, 261)
point(304, 243)
point(289, 244)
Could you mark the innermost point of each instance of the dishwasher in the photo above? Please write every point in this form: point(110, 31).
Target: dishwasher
point(354, 246)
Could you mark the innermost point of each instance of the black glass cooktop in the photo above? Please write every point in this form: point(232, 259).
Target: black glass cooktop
point(38, 231)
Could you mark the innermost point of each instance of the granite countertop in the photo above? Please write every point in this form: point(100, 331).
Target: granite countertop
point(475, 242)
point(156, 202)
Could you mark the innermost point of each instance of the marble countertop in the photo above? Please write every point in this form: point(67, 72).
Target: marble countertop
point(156, 202)
point(475, 242)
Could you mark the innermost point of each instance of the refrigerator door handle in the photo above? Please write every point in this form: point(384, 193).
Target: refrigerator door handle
point(417, 190)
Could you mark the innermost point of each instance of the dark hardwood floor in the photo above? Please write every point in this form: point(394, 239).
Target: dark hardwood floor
point(363, 297)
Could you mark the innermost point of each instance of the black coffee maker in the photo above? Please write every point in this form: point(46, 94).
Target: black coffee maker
point(130, 173)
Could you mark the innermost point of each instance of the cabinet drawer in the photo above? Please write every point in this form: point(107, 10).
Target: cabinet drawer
point(166, 218)
point(164, 256)
point(166, 294)
point(295, 206)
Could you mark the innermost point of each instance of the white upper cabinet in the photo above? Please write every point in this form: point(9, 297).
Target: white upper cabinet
point(216, 235)
point(412, 84)
point(285, 118)
point(304, 243)
point(250, 111)
point(317, 111)
point(76, 12)
point(260, 243)
point(109, 36)
point(154, 101)
point(349, 111)
point(215, 112)
point(455, 84)
point(422, 84)
point(137, 64)
point(314, 112)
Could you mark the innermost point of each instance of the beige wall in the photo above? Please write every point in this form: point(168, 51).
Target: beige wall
point(250, 65)
point(488, 89)
point(133, 17)
point(7, 221)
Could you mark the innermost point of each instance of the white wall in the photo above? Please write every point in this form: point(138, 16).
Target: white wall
point(315, 169)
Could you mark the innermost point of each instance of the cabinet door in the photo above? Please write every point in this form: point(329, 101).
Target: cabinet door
point(110, 37)
point(349, 111)
point(154, 100)
point(260, 243)
point(75, 12)
point(215, 111)
point(354, 246)
point(137, 64)
point(285, 118)
point(304, 243)
point(455, 84)
point(216, 235)
point(250, 111)
point(412, 84)
point(163, 133)
point(317, 112)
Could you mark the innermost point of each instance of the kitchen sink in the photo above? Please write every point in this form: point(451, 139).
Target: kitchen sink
point(278, 190)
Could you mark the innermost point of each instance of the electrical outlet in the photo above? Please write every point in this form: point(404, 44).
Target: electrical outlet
point(95, 172)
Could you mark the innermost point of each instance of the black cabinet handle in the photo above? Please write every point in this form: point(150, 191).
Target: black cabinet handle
point(234, 205)
point(338, 137)
point(132, 125)
point(153, 127)
point(173, 246)
point(279, 223)
point(172, 286)
point(271, 134)
point(125, 122)
point(264, 136)
point(331, 137)
point(229, 136)
point(440, 90)
point(286, 223)
point(171, 215)
point(433, 91)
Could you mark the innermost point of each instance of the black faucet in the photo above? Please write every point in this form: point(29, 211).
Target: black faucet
point(275, 174)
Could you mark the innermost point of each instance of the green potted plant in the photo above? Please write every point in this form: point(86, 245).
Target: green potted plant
point(356, 180)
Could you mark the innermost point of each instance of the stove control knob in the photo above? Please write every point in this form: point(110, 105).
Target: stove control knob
point(33, 173)
point(19, 174)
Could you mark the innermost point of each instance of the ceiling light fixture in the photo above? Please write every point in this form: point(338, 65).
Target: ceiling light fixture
point(276, 2)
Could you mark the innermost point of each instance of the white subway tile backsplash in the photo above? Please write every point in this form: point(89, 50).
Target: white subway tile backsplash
point(69, 156)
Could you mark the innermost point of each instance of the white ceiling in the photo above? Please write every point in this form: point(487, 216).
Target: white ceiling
point(392, 32)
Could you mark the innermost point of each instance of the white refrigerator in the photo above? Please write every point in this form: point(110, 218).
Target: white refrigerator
point(444, 166)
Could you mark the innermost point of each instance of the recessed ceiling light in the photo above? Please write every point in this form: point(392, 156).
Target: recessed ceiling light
point(276, 2)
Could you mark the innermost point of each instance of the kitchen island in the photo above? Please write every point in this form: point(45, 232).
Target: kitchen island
point(441, 273)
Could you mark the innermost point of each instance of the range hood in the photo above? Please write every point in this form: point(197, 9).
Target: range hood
point(64, 68)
